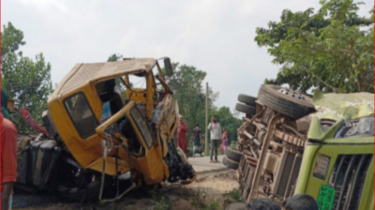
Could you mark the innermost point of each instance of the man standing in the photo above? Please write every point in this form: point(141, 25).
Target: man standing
point(197, 139)
point(8, 161)
point(215, 131)
point(181, 135)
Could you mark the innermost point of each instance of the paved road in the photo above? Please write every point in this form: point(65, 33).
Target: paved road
point(202, 164)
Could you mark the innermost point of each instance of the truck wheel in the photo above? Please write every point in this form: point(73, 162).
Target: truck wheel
point(286, 101)
point(236, 206)
point(245, 109)
point(246, 99)
point(233, 154)
point(230, 163)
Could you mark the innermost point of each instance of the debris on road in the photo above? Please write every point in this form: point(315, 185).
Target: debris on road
point(211, 191)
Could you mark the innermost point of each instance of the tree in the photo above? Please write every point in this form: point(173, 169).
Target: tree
point(331, 50)
point(27, 81)
point(186, 83)
point(114, 57)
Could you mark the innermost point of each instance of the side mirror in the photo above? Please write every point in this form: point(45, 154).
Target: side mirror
point(168, 67)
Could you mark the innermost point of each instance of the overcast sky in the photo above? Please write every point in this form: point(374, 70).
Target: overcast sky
point(216, 36)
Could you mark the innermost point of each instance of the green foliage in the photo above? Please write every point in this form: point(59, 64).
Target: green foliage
point(199, 200)
point(330, 50)
point(159, 201)
point(26, 81)
point(161, 204)
point(213, 205)
point(236, 195)
point(114, 57)
point(189, 91)
point(11, 40)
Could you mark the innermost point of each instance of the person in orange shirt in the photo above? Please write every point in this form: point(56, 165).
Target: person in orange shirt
point(9, 136)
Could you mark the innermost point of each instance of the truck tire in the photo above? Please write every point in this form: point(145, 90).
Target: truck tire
point(286, 101)
point(246, 99)
point(236, 206)
point(233, 154)
point(230, 163)
point(245, 109)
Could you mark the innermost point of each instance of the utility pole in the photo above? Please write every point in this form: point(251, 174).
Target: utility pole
point(206, 123)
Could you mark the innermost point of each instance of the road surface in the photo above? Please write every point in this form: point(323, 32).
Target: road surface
point(202, 165)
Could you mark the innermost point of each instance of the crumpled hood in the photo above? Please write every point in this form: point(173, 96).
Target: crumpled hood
point(343, 106)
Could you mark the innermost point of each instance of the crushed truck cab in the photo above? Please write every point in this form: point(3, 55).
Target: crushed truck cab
point(111, 133)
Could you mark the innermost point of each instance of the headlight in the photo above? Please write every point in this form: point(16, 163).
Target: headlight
point(321, 166)
point(359, 127)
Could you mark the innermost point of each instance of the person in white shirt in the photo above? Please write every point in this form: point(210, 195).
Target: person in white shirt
point(215, 131)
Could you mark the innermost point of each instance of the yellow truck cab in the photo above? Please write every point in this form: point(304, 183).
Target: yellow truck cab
point(108, 132)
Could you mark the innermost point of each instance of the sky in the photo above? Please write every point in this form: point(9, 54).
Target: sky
point(216, 36)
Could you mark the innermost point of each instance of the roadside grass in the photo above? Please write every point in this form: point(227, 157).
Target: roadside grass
point(213, 205)
point(200, 201)
point(159, 202)
point(236, 195)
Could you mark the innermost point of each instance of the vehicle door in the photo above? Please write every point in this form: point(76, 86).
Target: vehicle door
point(129, 128)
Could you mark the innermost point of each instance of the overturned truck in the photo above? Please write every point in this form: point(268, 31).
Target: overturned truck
point(287, 147)
point(111, 127)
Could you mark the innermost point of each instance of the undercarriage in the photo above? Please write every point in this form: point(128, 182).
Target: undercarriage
point(271, 141)
point(272, 149)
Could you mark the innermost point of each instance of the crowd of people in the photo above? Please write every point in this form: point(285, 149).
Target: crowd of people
point(218, 137)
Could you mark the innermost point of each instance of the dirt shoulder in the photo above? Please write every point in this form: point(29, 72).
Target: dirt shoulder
point(210, 191)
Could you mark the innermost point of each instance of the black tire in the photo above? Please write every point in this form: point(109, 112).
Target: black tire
point(230, 163)
point(245, 109)
point(233, 154)
point(91, 192)
point(236, 206)
point(246, 99)
point(285, 103)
